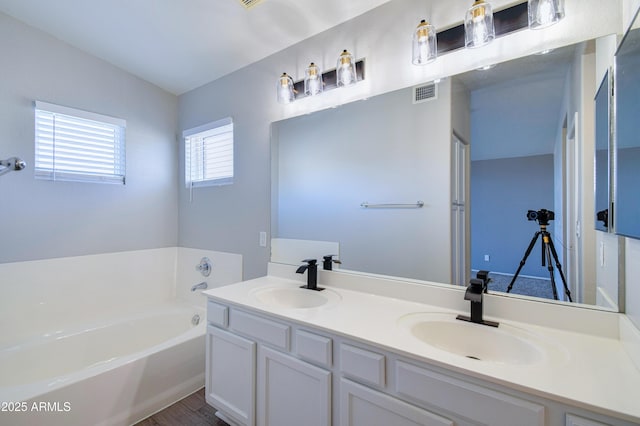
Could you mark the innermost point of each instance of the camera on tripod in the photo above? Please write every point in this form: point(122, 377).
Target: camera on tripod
point(543, 216)
point(603, 216)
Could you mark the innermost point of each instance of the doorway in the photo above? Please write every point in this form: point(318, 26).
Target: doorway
point(460, 270)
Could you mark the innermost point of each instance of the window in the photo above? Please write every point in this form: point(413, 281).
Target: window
point(77, 145)
point(209, 154)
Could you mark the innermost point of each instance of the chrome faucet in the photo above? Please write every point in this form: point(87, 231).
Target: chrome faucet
point(203, 285)
point(474, 294)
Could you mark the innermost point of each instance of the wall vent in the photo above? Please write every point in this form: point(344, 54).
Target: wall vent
point(425, 92)
point(248, 4)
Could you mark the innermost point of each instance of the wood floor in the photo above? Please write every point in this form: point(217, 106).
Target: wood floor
point(190, 411)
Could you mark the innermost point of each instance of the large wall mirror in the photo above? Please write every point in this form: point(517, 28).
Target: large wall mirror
point(435, 189)
point(627, 93)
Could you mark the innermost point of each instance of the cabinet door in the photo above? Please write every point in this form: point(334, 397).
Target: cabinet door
point(230, 375)
point(291, 392)
point(361, 406)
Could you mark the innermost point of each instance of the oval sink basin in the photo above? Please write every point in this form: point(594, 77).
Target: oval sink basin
point(505, 344)
point(294, 297)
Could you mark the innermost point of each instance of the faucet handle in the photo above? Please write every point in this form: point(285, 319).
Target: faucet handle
point(311, 262)
point(205, 266)
point(328, 261)
point(476, 285)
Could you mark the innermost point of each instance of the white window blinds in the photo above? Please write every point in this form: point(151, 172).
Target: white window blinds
point(209, 154)
point(78, 145)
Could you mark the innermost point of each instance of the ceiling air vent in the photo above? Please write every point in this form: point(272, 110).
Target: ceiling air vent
point(426, 92)
point(248, 4)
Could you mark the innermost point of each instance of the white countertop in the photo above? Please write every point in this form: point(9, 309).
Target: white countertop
point(590, 371)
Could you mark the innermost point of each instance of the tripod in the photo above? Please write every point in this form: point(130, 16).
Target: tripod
point(548, 249)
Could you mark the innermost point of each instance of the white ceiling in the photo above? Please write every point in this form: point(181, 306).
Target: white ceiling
point(182, 44)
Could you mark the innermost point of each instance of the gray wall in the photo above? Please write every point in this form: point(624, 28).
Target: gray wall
point(382, 150)
point(43, 219)
point(502, 191)
point(628, 194)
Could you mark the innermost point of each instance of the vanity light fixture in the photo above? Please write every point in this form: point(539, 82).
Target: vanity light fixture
point(544, 13)
point(345, 70)
point(312, 80)
point(284, 89)
point(425, 48)
point(478, 25)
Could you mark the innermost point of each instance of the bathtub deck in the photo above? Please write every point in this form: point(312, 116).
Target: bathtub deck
point(192, 410)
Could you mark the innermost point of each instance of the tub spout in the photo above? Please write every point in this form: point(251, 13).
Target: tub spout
point(203, 285)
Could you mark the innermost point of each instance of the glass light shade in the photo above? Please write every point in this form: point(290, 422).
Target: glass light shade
point(544, 13)
point(345, 70)
point(312, 80)
point(478, 25)
point(284, 89)
point(425, 46)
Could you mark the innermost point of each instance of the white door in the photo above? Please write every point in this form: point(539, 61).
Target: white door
point(459, 258)
point(571, 200)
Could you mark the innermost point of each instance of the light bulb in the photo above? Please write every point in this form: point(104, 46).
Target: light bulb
point(424, 44)
point(478, 25)
point(345, 70)
point(544, 13)
point(284, 89)
point(312, 80)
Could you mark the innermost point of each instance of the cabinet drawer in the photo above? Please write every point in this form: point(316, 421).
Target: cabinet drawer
point(581, 421)
point(362, 365)
point(314, 348)
point(217, 314)
point(465, 399)
point(259, 328)
point(361, 406)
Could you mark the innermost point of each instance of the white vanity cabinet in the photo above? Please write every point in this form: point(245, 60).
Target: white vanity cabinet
point(264, 370)
point(255, 379)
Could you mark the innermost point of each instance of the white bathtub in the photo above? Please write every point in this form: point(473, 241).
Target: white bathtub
point(110, 366)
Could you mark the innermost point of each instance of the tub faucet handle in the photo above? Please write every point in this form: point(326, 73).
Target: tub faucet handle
point(205, 266)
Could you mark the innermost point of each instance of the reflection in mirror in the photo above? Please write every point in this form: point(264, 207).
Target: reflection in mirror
point(602, 120)
point(497, 138)
point(627, 88)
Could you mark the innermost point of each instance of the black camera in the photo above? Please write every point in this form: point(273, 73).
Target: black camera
point(543, 216)
point(603, 216)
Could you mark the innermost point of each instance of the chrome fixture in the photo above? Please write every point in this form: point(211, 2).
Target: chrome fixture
point(205, 266)
point(312, 274)
point(425, 45)
point(544, 13)
point(475, 291)
point(203, 285)
point(478, 25)
point(345, 70)
point(416, 205)
point(312, 80)
point(195, 320)
point(284, 88)
point(12, 164)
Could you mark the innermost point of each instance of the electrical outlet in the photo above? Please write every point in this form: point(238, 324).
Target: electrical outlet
point(487, 257)
point(263, 239)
